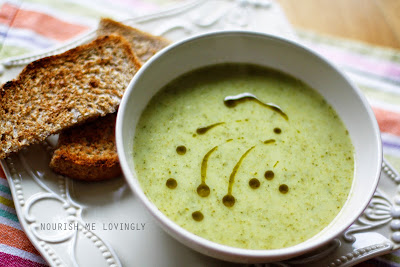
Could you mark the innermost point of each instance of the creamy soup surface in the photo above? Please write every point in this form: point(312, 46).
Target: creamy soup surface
point(244, 156)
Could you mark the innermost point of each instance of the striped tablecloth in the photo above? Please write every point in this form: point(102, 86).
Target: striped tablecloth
point(34, 25)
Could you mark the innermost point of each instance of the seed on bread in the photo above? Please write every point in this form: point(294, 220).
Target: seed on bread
point(57, 92)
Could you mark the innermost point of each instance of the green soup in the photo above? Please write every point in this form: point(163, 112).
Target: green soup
point(244, 156)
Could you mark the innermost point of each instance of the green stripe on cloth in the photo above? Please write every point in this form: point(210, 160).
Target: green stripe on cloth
point(7, 202)
point(12, 51)
point(395, 161)
point(379, 52)
point(387, 97)
point(5, 189)
point(391, 257)
point(8, 215)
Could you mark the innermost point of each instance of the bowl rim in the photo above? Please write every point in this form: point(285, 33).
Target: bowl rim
point(206, 245)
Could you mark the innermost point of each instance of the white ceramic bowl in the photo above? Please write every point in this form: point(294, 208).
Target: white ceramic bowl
point(273, 52)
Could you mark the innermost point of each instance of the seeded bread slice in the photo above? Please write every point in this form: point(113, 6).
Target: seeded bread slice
point(59, 91)
point(143, 44)
point(88, 152)
point(97, 159)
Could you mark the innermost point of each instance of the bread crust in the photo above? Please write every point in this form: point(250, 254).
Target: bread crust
point(143, 44)
point(57, 92)
point(88, 152)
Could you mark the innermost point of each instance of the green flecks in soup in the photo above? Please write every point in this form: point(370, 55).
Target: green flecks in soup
point(270, 162)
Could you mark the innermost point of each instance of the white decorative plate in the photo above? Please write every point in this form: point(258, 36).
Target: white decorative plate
point(73, 223)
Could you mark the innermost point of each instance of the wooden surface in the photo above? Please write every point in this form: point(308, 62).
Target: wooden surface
point(372, 21)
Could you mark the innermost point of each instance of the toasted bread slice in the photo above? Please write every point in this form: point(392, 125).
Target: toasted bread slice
point(88, 152)
point(143, 44)
point(74, 156)
point(57, 92)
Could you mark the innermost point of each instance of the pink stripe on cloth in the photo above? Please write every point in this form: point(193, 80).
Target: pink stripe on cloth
point(7, 13)
point(41, 23)
point(389, 121)
point(15, 261)
point(358, 61)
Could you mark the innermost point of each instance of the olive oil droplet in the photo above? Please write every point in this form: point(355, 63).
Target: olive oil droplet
point(269, 175)
point(171, 183)
point(283, 188)
point(181, 150)
point(197, 216)
point(228, 200)
point(254, 183)
point(203, 190)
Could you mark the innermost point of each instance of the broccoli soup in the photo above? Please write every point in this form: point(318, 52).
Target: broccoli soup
point(244, 156)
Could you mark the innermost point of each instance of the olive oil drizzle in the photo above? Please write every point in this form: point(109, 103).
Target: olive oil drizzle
point(203, 130)
point(269, 141)
point(232, 101)
point(228, 199)
point(203, 189)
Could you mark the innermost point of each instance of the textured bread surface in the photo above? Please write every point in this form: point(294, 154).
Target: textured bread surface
point(143, 44)
point(59, 91)
point(88, 152)
point(75, 156)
